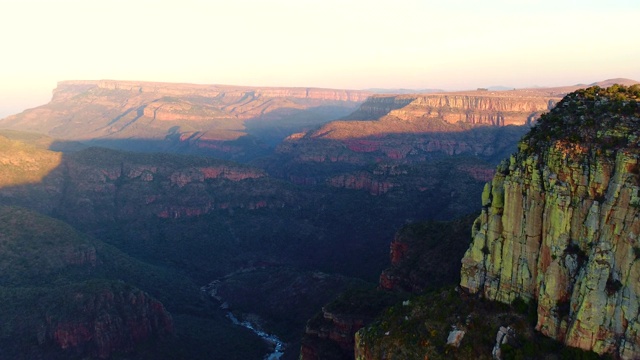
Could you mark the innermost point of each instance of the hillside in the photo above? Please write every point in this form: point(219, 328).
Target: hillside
point(65, 295)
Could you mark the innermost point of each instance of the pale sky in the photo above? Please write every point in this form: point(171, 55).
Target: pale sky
point(355, 44)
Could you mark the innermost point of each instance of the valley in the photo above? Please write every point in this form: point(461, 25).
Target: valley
point(291, 197)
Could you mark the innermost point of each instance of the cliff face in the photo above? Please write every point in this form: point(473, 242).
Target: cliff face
point(330, 336)
point(560, 224)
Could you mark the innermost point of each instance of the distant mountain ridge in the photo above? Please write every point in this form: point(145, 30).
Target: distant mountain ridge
point(222, 120)
point(243, 123)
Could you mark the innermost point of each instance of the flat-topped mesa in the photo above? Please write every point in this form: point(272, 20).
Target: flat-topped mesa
point(170, 89)
point(560, 224)
point(68, 89)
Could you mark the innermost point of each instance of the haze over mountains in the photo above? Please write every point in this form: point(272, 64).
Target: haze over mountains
point(242, 122)
point(325, 179)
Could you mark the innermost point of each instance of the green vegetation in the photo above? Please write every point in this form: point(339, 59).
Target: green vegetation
point(419, 329)
point(363, 302)
point(53, 275)
point(606, 118)
point(431, 247)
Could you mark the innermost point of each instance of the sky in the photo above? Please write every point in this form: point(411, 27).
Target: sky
point(354, 44)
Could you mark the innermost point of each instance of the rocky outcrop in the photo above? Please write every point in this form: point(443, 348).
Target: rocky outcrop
point(449, 112)
point(560, 224)
point(495, 108)
point(504, 336)
point(331, 334)
point(110, 318)
point(124, 185)
point(340, 329)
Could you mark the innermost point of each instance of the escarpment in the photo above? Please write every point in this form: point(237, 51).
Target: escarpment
point(560, 224)
point(448, 112)
point(416, 128)
point(221, 120)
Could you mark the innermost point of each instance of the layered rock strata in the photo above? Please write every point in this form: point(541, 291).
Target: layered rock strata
point(220, 120)
point(560, 224)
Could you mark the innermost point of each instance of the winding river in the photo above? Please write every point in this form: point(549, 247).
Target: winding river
point(278, 345)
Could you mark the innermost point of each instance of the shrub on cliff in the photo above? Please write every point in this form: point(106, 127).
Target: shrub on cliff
point(607, 118)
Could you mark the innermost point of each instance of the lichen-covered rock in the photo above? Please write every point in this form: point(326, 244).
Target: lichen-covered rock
point(560, 224)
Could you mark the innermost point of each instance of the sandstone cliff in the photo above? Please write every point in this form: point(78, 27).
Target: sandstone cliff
point(415, 128)
point(330, 335)
point(516, 107)
point(560, 224)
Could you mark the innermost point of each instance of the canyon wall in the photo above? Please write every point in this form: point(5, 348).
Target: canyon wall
point(560, 224)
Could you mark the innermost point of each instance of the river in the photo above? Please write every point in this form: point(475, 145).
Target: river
point(278, 345)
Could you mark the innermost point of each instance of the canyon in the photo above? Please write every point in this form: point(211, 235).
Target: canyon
point(320, 182)
point(552, 250)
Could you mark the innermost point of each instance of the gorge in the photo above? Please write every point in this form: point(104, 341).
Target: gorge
point(297, 193)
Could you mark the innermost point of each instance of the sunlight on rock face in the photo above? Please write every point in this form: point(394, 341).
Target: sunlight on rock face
point(24, 164)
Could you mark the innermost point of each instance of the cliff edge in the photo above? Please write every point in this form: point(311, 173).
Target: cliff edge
point(560, 224)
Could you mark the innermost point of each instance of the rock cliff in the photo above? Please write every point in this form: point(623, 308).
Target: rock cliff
point(173, 89)
point(331, 333)
point(517, 107)
point(416, 128)
point(560, 223)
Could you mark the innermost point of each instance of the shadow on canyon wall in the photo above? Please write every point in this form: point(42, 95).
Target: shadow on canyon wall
point(210, 216)
point(206, 218)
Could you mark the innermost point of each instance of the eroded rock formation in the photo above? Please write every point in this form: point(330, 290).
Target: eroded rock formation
point(560, 224)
